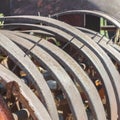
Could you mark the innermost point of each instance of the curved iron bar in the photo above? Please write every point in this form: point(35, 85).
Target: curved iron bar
point(116, 47)
point(58, 73)
point(48, 34)
point(113, 20)
point(40, 112)
point(114, 75)
point(73, 68)
point(89, 12)
point(89, 55)
point(111, 51)
point(17, 55)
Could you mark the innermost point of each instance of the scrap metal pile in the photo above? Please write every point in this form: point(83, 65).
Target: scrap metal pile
point(51, 70)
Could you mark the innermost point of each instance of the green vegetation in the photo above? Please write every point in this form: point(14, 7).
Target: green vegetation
point(103, 22)
point(1, 22)
point(53, 40)
point(117, 37)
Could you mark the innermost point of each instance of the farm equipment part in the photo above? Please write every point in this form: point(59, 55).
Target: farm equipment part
point(51, 70)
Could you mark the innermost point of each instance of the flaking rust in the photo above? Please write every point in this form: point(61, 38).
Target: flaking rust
point(5, 114)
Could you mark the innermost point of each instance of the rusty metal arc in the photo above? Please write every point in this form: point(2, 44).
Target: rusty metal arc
point(40, 112)
point(110, 50)
point(84, 50)
point(89, 12)
point(56, 70)
point(73, 68)
point(16, 54)
point(88, 45)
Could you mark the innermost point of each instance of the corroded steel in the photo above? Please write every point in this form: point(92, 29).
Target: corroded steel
point(70, 66)
point(40, 112)
point(96, 62)
point(5, 114)
point(33, 73)
point(61, 66)
point(89, 12)
point(111, 51)
point(58, 74)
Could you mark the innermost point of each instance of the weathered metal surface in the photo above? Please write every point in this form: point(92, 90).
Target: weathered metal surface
point(95, 60)
point(115, 46)
point(71, 66)
point(31, 102)
point(94, 51)
point(112, 52)
point(5, 114)
point(33, 73)
point(89, 12)
point(58, 74)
